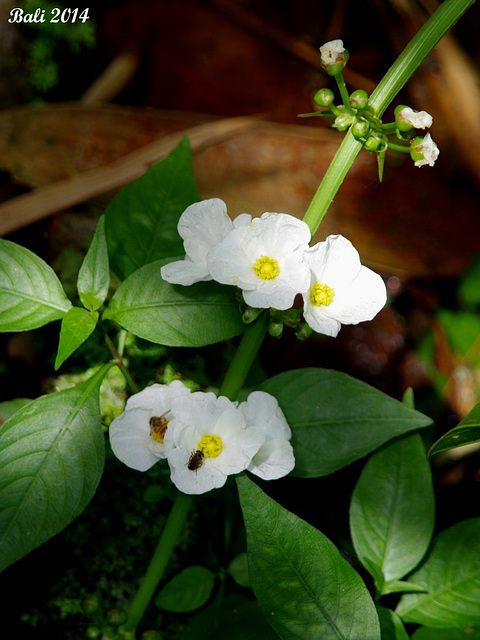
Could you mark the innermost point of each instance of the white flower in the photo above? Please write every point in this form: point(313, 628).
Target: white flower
point(332, 52)
point(265, 259)
point(137, 435)
point(207, 441)
point(424, 151)
point(275, 457)
point(201, 226)
point(341, 291)
point(417, 119)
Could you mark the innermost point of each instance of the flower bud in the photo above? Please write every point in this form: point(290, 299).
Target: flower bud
point(373, 142)
point(90, 605)
point(333, 57)
point(359, 99)
point(93, 632)
point(343, 121)
point(423, 150)
point(275, 329)
point(116, 617)
point(324, 97)
point(407, 119)
point(250, 314)
point(360, 129)
point(303, 332)
point(151, 634)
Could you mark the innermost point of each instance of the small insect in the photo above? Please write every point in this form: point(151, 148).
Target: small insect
point(196, 460)
point(158, 426)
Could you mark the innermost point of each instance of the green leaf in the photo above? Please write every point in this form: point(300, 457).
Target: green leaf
point(52, 453)
point(391, 625)
point(305, 588)
point(187, 591)
point(430, 633)
point(173, 315)
point(469, 289)
point(9, 407)
point(336, 419)
point(462, 329)
point(238, 569)
point(229, 617)
point(466, 432)
point(77, 325)
point(392, 513)
point(94, 274)
point(30, 293)
point(141, 221)
point(401, 586)
point(451, 575)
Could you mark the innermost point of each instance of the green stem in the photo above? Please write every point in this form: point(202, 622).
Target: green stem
point(398, 147)
point(244, 357)
point(414, 53)
point(159, 561)
point(342, 87)
point(389, 127)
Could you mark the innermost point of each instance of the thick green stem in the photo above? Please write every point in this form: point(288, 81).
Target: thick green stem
point(399, 147)
point(244, 357)
point(405, 65)
point(156, 568)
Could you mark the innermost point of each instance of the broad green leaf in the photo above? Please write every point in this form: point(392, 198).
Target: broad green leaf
point(229, 617)
point(77, 325)
point(9, 407)
point(94, 274)
point(391, 625)
point(187, 591)
point(451, 576)
point(466, 432)
point(141, 221)
point(401, 586)
point(392, 513)
point(305, 588)
point(336, 419)
point(238, 569)
point(173, 315)
point(52, 454)
point(429, 633)
point(462, 329)
point(30, 293)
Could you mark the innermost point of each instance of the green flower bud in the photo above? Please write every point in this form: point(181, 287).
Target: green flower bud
point(423, 150)
point(360, 129)
point(343, 121)
point(324, 97)
point(90, 605)
point(303, 332)
point(372, 143)
point(275, 329)
point(93, 632)
point(359, 99)
point(250, 314)
point(116, 617)
point(333, 57)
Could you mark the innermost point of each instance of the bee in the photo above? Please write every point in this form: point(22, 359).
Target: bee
point(196, 460)
point(158, 426)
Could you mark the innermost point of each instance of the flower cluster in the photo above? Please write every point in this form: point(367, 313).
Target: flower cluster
point(270, 260)
point(204, 438)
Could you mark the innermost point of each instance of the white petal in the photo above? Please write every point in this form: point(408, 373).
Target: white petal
point(158, 397)
point(334, 262)
point(274, 460)
point(262, 410)
point(418, 119)
point(330, 51)
point(361, 301)
point(318, 321)
point(130, 439)
point(201, 480)
point(238, 450)
point(202, 225)
point(184, 272)
point(242, 219)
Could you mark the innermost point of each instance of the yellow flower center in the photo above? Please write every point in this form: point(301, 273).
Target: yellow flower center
point(210, 446)
point(158, 427)
point(321, 294)
point(266, 268)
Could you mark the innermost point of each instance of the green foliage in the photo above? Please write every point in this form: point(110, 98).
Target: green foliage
point(77, 326)
point(94, 275)
point(30, 293)
point(336, 419)
point(451, 577)
point(303, 585)
point(466, 432)
point(469, 289)
point(8, 408)
point(141, 221)
point(173, 315)
point(392, 513)
point(187, 591)
point(391, 625)
point(429, 633)
point(238, 569)
point(52, 454)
